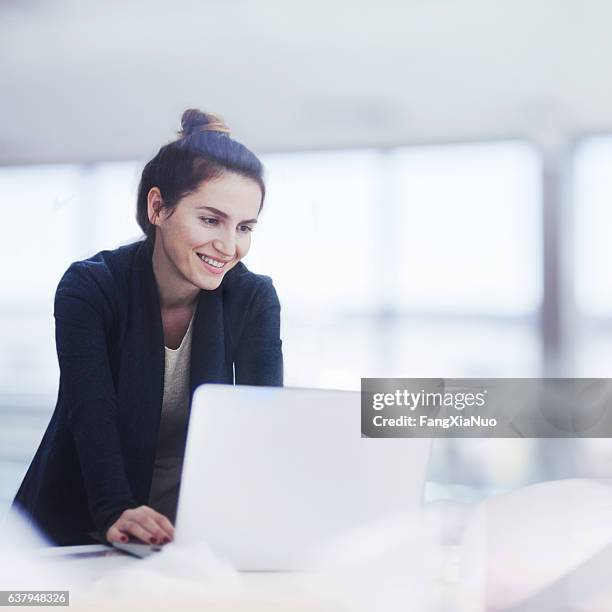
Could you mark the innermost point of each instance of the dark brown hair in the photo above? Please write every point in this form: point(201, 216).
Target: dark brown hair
point(203, 152)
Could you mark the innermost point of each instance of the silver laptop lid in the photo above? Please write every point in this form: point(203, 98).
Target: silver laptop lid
point(271, 473)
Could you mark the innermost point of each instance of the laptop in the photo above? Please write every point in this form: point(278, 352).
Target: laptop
point(272, 474)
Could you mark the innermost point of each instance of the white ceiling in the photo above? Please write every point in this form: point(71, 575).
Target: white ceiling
point(108, 79)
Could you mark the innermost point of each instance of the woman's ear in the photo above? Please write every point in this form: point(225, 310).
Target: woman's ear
point(154, 205)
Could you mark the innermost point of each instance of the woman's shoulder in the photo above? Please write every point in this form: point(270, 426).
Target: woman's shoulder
point(243, 285)
point(104, 273)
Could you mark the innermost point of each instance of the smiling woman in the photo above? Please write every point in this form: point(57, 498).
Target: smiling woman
point(139, 328)
point(203, 240)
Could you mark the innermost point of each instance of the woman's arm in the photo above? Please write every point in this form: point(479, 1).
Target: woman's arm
point(258, 358)
point(83, 317)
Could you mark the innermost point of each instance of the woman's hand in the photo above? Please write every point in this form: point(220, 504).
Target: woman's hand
point(143, 523)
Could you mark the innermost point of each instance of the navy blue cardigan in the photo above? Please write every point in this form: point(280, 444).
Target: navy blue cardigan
point(96, 457)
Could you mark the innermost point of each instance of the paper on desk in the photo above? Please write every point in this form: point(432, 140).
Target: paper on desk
point(393, 564)
point(187, 567)
point(191, 570)
point(21, 568)
point(521, 543)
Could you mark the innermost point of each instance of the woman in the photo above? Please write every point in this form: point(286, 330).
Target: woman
point(139, 328)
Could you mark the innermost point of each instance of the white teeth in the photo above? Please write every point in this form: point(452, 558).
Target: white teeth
point(212, 262)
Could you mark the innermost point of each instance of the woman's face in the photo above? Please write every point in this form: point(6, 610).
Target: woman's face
point(209, 231)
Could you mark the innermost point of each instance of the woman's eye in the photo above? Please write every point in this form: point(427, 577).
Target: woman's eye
point(245, 229)
point(209, 220)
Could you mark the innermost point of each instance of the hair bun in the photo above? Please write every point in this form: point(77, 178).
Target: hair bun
point(194, 121)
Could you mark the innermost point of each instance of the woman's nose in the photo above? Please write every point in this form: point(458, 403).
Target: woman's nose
point(226, 244)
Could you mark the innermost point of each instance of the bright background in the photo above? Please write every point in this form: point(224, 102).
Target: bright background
point(439, 179)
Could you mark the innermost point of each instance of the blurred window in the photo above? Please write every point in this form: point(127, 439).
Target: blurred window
point(593, 221)
point(468, 227)
point(418, 261)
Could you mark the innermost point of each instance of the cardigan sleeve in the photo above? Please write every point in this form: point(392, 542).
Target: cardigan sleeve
point(258, 359)
point(83, 313)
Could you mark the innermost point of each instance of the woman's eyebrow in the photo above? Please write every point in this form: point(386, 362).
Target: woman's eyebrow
point(222, 214)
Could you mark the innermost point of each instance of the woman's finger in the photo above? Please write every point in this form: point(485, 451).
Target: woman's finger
point(164, 523)
point(155, 524)
point(160, 520)
point(151, 525)
point(134, 528)
point(115, 535)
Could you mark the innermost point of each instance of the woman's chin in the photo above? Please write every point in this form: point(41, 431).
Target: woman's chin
point(210, 284)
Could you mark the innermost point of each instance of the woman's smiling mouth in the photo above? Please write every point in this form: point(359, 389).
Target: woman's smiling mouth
point(214, 265)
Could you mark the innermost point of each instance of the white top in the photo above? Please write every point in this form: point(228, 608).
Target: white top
point(172, 428)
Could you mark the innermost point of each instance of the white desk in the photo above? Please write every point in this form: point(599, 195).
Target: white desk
point(102, 578)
